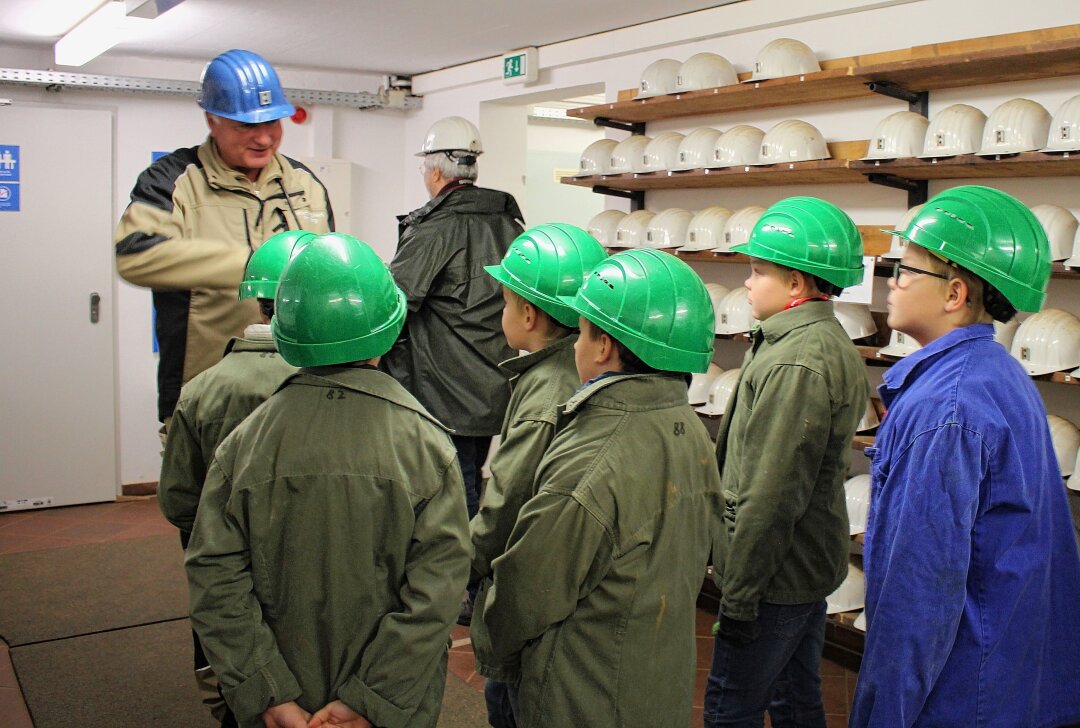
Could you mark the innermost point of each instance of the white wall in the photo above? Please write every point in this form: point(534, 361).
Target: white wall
point(553, 146)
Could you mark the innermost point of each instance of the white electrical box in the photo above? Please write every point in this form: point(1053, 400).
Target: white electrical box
point(336, 174)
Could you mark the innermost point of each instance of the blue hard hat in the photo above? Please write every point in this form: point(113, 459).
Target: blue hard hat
point(242, 86)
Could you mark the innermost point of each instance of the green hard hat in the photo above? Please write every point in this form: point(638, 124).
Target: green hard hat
point(991, 234)
point(265, 265)
point(655, 305)
point(810, 235)
point(337, 303)
point(546, 262)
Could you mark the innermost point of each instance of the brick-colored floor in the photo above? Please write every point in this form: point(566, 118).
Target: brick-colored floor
point(140, 517)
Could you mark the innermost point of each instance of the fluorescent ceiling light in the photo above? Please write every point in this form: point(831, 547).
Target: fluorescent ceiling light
point(97, 33)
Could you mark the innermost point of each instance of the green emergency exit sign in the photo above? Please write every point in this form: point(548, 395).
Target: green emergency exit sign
point(520, 66)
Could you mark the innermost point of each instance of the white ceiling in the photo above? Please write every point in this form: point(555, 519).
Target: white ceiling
point(405, 36)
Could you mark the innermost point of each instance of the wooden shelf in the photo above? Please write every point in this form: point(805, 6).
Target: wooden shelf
point(875, 242)
point(836, 170)
point(1048, 53)
point(1025, 164)
point(873, 356)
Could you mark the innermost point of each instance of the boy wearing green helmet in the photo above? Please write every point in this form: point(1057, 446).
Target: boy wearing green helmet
point(542, 264)
point(331, 549)
point(972, 570)
point(783, 452)
point(591, 611)
point(212, 404)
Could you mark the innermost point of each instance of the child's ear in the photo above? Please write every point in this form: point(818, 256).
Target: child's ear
point(956, 294)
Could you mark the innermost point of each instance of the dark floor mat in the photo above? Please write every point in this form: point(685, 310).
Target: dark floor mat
point(77, 590)
point(130, 677)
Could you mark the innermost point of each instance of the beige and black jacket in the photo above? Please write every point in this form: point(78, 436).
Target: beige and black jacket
point(187, 233)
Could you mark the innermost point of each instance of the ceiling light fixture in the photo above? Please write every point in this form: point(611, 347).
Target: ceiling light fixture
point(97, 33)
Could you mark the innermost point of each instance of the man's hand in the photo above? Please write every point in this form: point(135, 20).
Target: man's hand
point(286, 715)
point(736, 632)
point(339, 714)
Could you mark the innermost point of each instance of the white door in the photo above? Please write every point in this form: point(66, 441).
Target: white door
point(57, 364)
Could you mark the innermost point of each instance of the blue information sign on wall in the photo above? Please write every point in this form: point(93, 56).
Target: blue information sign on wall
point(9, 163)
point(9, 197)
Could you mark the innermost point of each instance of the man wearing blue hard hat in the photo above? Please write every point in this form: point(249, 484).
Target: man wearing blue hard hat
point(194, 219)
point(196, 215)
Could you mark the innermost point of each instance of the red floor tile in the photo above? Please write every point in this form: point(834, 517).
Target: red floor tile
point(13, 712)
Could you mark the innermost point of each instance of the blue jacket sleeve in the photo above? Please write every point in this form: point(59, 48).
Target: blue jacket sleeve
point(918, 547)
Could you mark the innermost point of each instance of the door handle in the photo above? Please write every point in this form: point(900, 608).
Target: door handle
point(95, 306)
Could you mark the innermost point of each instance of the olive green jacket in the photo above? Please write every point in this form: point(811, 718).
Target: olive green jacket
point(330, 551)
point(783, 452)
point(594, 597)
point(188, 232)
point(211, 406)
point(543, 381)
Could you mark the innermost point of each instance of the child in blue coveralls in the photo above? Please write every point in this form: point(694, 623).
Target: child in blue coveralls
point(972, 572)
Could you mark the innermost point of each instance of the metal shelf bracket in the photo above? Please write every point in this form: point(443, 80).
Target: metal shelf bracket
point(918, 101)
point(636, 197)
point(917, 189)
point(634, 127)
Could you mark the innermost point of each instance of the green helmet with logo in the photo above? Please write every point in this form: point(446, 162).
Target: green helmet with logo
point(991, 234)
point(809, 235)
point(264, 267)
point(546, 262)
point(337, 303)
point(655, 305)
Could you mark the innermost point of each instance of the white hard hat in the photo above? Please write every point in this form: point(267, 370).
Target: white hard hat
point(628, 153)
point(632, 229)
point(603, 226)
point(717, 294)
point(705, 70)
point(706, 230)
point(1066, 439)
point(596, 159)
point(668, 228)
point(1060, 227)
point(792, 141)
point(452, 134)
point(857, 495)
point(899, 242)
point(956, 129)
point(1064, 133)
point(1073, 483)
point(860, 621)
point(658, 78)
point(698, 393)
point(661, 152)
point(736, 315)
point(784, 57)
point(1005, 332)
point(850, 595)
point(739, 226)
point(739, 145)
point(855, 318)
point(1018, 125)
point(1048, 341)
point(1074, 260)
point(720, 393)
point(898, 136)
point(900, 345)
point(696, 149)
point(870, 419)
